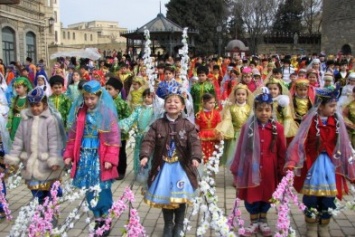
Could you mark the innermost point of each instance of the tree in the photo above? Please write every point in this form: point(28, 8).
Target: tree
point(312, 15)
point(203, 16)
point(289, 17)
point(257, 17)
point(235, 23)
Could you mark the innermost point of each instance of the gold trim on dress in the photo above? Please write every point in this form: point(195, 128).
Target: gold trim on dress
point(173, 159)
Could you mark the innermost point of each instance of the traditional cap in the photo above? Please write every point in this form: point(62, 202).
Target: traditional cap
point(302, 70)
point(316, 60)
point(42, 76)
point(115, 83)
point(264, 97)
point(271, 64)
point(302, 82)
point(169, 88)
point(56, 79)
point(273, 80)
point(328, 94)
point(256, 72)
point(322, 54)
point(23, 81)
point(246, 70)
point(36, 95)
point(138, 79)
point(351, 76)
point(92, 87)
point(202, 69)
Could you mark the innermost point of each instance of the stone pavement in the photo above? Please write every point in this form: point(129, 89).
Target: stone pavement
point(152, 220)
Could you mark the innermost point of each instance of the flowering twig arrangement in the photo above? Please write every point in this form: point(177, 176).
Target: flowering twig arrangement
point(132, 135)
point(148, 59)
point(24, 219)
point(281, 198)
point(184, 51)
point(14, 180)
point(3, 201)
point(211, 215)
point(235, 218)
point(42, 220)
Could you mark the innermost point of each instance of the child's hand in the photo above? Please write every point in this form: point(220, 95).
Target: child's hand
point(144, 161)
point(195, 163)
point(55, 167)
point(108, 165)
point(68, 161)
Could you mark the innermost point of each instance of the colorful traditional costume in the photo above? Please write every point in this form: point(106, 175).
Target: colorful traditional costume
point(302, 104)
point(17, 105)
point(322, 158)
point(93, 140)
point(235, 116)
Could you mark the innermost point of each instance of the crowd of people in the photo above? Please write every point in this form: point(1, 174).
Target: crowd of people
point(274, 112)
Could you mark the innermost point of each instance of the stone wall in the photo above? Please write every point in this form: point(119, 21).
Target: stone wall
point(302, 49)
point(338, 26)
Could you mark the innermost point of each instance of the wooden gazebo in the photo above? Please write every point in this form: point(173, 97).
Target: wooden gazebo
point(164, 34)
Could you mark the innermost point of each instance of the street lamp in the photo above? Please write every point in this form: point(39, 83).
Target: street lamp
point(219, 30)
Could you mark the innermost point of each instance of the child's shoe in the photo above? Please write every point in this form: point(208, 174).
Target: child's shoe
point(251, 230)
point(265, 229)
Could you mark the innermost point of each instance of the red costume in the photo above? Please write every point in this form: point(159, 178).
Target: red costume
point(327, 142)
point(228, 87)
point(207, 121)
point(271, 164)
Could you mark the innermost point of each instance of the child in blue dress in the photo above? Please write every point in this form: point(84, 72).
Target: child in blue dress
point(176, 152)
point(93, 147)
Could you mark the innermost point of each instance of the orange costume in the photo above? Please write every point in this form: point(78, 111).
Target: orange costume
point(207, 122)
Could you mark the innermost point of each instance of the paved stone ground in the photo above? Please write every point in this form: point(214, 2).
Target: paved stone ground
point(152, 220)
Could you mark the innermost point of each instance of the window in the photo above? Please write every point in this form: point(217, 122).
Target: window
point(8, 45)
point(31, 46)
point(68, 35)
point(85, 37)
point(63, 34)
point(56, 36)
point(90, 37)
point(73, 35)
point(55, 16)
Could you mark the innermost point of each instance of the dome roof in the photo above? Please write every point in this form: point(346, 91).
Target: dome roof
point(161, 24)
point(236, 44)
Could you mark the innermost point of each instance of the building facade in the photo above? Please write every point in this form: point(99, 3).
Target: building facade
point(338, 25)
point(25, 30)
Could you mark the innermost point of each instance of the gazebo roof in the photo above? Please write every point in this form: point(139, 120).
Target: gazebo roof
point(161, 24)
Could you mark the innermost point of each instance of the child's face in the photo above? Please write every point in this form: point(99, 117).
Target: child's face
point(209, 105)
point(293, 78)
point(112, 91)
point(343, 67)
point(328, 109)
point(91, 100)
point(327, 83)
point(241, 96)
point(247, 78)
point(312, 78)
point(76, 77)
point(302, 91)
point(168, 75)
point(148, 99)
point(301, 75)
point(24, 73)
point(57, 89)
point(274, 90)
point(263, 112)
point(21, 90)
point(40, 81)
point(257, 78)
point(202, 77)
point(315, 66)
point(37, 108)
point(136, 85)
point(173, 105)
point(352, 82)
point(277, 75)
point(215, 71)
point(124, 70)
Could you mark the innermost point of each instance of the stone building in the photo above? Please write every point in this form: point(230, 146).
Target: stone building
point(93, 34)
point(338, 25)
point(25, 29)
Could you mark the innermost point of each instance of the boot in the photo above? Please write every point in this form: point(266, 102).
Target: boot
point(179, 220)
point(168, 222)
point(312, 227)
point(263, 226)
point(254, 225)
point(323, 229)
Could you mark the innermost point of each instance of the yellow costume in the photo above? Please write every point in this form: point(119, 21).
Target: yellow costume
point(349, 118)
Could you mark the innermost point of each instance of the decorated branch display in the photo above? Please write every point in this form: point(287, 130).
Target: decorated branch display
point(184, 51)
point(148, 62)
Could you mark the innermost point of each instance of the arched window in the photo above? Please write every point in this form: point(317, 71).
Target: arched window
point(85, 37)
point(31, 46)
point(8, 45)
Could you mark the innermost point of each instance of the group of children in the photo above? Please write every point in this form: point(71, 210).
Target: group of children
point(269, 127)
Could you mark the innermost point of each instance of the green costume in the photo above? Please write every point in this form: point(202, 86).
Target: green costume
point(123, 112)
point(197, 91)
point(62, 103)
point(17, 105)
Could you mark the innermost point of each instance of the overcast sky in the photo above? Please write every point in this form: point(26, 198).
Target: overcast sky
point(129, 14)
